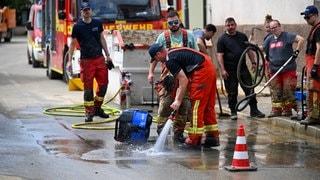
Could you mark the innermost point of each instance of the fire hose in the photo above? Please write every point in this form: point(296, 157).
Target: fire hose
point(78, 111)
point(302, 103)
point(256, 81)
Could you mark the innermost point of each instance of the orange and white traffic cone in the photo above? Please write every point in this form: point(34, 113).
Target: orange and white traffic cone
point(240, 160)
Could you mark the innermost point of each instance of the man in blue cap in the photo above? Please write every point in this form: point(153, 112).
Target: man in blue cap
point(89, 34)
point(175, 37)
point(197, 75)
point(312, 66)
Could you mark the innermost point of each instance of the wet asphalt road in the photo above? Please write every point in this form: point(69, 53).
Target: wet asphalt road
point(35, 145)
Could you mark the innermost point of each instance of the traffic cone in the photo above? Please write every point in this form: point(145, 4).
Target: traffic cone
point(240, 160)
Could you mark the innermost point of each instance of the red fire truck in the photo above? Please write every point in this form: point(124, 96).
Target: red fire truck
point(119, 15)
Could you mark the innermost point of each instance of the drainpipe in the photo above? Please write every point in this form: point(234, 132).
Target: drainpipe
point(186, 14)
point(204, 13)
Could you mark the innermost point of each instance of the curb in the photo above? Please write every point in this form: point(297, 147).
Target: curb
point(288, 124)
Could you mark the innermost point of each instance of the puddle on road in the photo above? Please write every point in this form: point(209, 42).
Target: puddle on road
point(264, 154)
point(267, 147)
point(70, 147)
point(128, 155)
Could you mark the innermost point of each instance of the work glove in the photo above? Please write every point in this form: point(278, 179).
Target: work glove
point(172, 114)
point(295, 54)
point(109, 65)
point(314, 71)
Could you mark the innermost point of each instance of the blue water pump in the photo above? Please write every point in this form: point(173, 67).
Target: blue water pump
point(133, 126)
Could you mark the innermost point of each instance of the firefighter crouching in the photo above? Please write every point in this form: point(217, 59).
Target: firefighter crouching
point(197, 75)
point(166, 89)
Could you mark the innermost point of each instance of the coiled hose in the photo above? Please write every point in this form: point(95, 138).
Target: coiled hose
point(78, 111)
point(257, 76)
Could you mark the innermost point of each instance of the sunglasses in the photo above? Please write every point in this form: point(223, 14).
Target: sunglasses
point(86, 9)
point(174, 22)
point(273, 28)
point(308, 17)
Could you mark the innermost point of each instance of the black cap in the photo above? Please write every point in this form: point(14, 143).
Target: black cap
point(309, 10)
point(154, 48)
point(85, 5)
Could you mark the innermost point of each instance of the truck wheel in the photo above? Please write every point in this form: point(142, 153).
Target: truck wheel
point(35, 64)
point(50, 73)
point(9, 36)
point(29, 57)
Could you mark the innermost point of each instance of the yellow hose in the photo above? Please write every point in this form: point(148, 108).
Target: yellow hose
point(78, 111)
point(89, 125)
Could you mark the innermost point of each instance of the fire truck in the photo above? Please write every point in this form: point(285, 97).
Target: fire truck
point(130, 27)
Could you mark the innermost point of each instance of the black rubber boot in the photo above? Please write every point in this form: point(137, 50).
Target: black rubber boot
point(254, 112)
point(178, 137)
point(88, 118)
point(99, 112)
point(210, 141)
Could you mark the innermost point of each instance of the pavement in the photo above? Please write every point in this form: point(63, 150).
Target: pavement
point(264, 105)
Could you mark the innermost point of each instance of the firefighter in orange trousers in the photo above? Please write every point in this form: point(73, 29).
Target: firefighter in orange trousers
point(176, 36)
point(312, 66)
point(197, 75)
point(88, 33)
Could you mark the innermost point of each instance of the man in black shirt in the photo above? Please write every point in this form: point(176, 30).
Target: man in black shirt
point(197, 75)
point(230, 47)
point(88, 33)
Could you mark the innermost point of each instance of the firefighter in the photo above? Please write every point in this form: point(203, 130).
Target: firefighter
point(278, 48)
point(312, 66)
point(88, 33)
point(197, 75)
point(176, 36)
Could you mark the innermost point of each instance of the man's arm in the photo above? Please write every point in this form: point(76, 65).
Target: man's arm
point(299, 40)
point(202, 46)
point(181, 91)
point(317, 55)
point(224, 73)
point(104, 46)
point(152, 67)
point(251, 55)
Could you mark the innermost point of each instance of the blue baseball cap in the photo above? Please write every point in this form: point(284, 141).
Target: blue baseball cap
point(85, 5)
point(310, 10)
point(154, 48)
